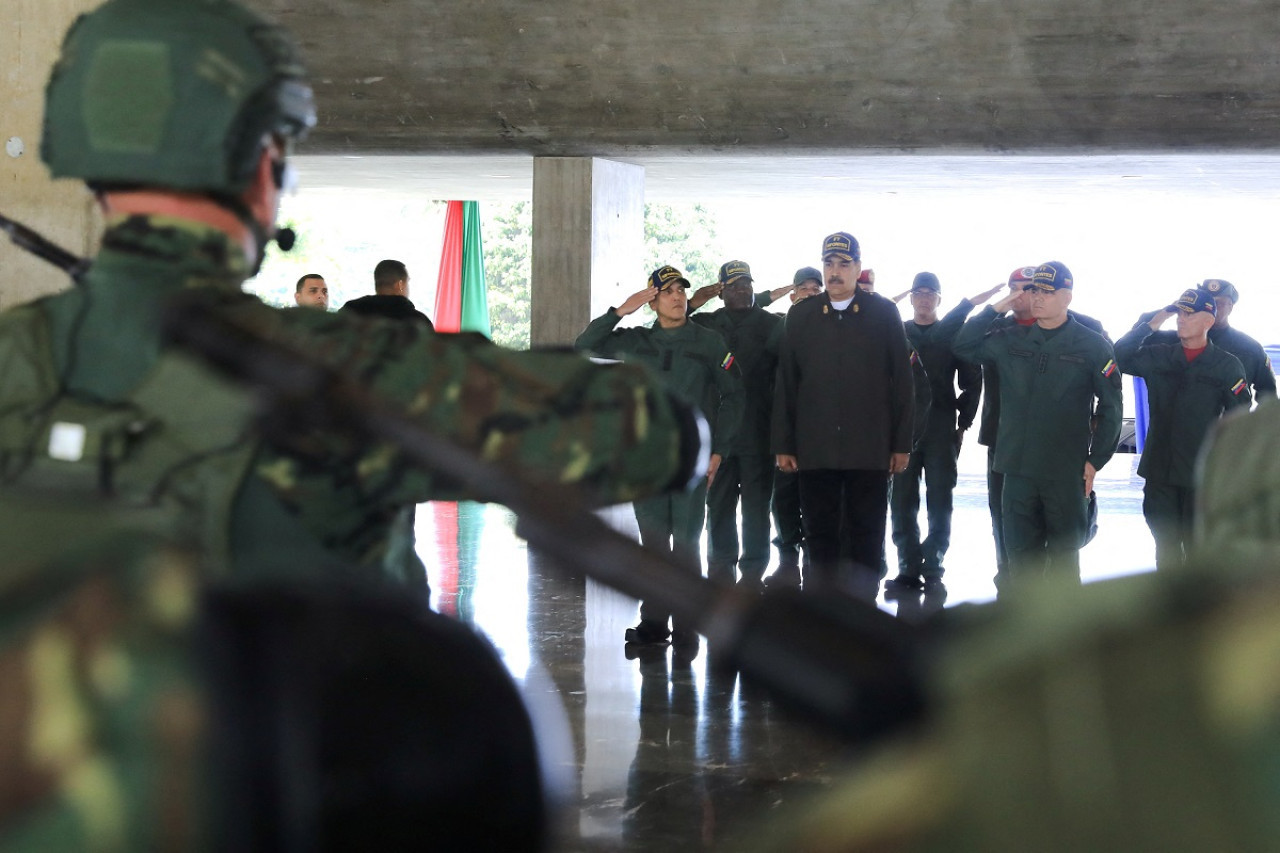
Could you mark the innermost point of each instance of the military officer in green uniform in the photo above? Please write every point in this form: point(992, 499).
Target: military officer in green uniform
point(1257, 365)
point(1051, 374)
point(746, 472)
point(946, 417)
point(1190, 385)
point(694, 363)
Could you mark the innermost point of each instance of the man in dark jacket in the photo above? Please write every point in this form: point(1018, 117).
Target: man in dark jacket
point(842, 416)
point(752, 335)
point(1051, 440)
point(934, 457)
point(1190, 384)
point(391, 296)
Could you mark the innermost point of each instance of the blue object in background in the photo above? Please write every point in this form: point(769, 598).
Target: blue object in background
point(1273, 353)
point(1141, 417)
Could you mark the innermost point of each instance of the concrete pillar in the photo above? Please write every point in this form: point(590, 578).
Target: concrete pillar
point(63, 211)
point(588, 242)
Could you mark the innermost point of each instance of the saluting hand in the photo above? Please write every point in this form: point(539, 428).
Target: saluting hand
point(986, 294)
point(703, 295)
point(635, 300)
point(1159, 319)
point(1005, 304)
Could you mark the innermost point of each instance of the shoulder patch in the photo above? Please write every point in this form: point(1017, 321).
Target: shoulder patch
point(915, 356)
point(727, 362)
point(1239, 387)
point(1109, 368)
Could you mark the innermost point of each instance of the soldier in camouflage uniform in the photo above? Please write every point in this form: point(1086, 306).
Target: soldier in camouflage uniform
point(88, 365)
point(133, 480)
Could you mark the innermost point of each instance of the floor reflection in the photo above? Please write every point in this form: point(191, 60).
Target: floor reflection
point(665, 753)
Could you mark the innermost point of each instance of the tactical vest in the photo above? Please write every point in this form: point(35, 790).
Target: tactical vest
point(172, 454)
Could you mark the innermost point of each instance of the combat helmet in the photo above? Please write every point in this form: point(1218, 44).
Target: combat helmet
point(172, 93)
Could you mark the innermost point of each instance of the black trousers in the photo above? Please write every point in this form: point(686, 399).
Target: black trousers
point(786, 518)
point(995, 494)
point(1168, 510)
point(747, 480)
point(857, 502)
point(934, 460)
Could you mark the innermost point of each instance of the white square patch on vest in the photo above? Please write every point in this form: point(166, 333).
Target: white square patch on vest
point(66, 441)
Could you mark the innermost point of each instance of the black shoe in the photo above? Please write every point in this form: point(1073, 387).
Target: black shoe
point(647, 634)
point(648, 655)
point(684, 648)
point(683, 637)
point(903, 585)
point(786, 577)
point(934, 585)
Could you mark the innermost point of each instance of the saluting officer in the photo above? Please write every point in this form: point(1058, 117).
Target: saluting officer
point(1051, 373)
point(1019, 313)
point(1190, 385)
point(694, 363)
point(746, 472)
point(1257, 366)
point(946, 416)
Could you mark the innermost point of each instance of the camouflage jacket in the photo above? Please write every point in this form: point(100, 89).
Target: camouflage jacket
point(554, 417)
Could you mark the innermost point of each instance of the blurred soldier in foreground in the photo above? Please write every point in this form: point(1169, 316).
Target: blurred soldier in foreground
point(1192, 383)
point(92, 404)
point(1135, 715)
point(125, 667)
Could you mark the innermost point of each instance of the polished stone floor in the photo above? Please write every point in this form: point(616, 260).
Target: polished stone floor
point(664, 753)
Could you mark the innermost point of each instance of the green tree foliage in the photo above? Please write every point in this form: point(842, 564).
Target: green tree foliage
point(683, 236)
point(508, 240)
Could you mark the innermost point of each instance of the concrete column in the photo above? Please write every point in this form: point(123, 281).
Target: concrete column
point(588, 242)
point(63, 211)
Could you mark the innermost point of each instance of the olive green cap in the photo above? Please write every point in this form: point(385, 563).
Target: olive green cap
point(172, 93)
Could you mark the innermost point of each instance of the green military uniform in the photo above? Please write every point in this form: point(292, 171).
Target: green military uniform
point(1049, 380)
point(1185, 399)
point(934, 455)
point(747, 470)
point(694, 363)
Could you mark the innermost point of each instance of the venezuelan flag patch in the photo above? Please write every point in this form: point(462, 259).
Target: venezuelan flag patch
point(1109, 368)
point(728, 361)
point(1239, 387)
point(915, 357)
